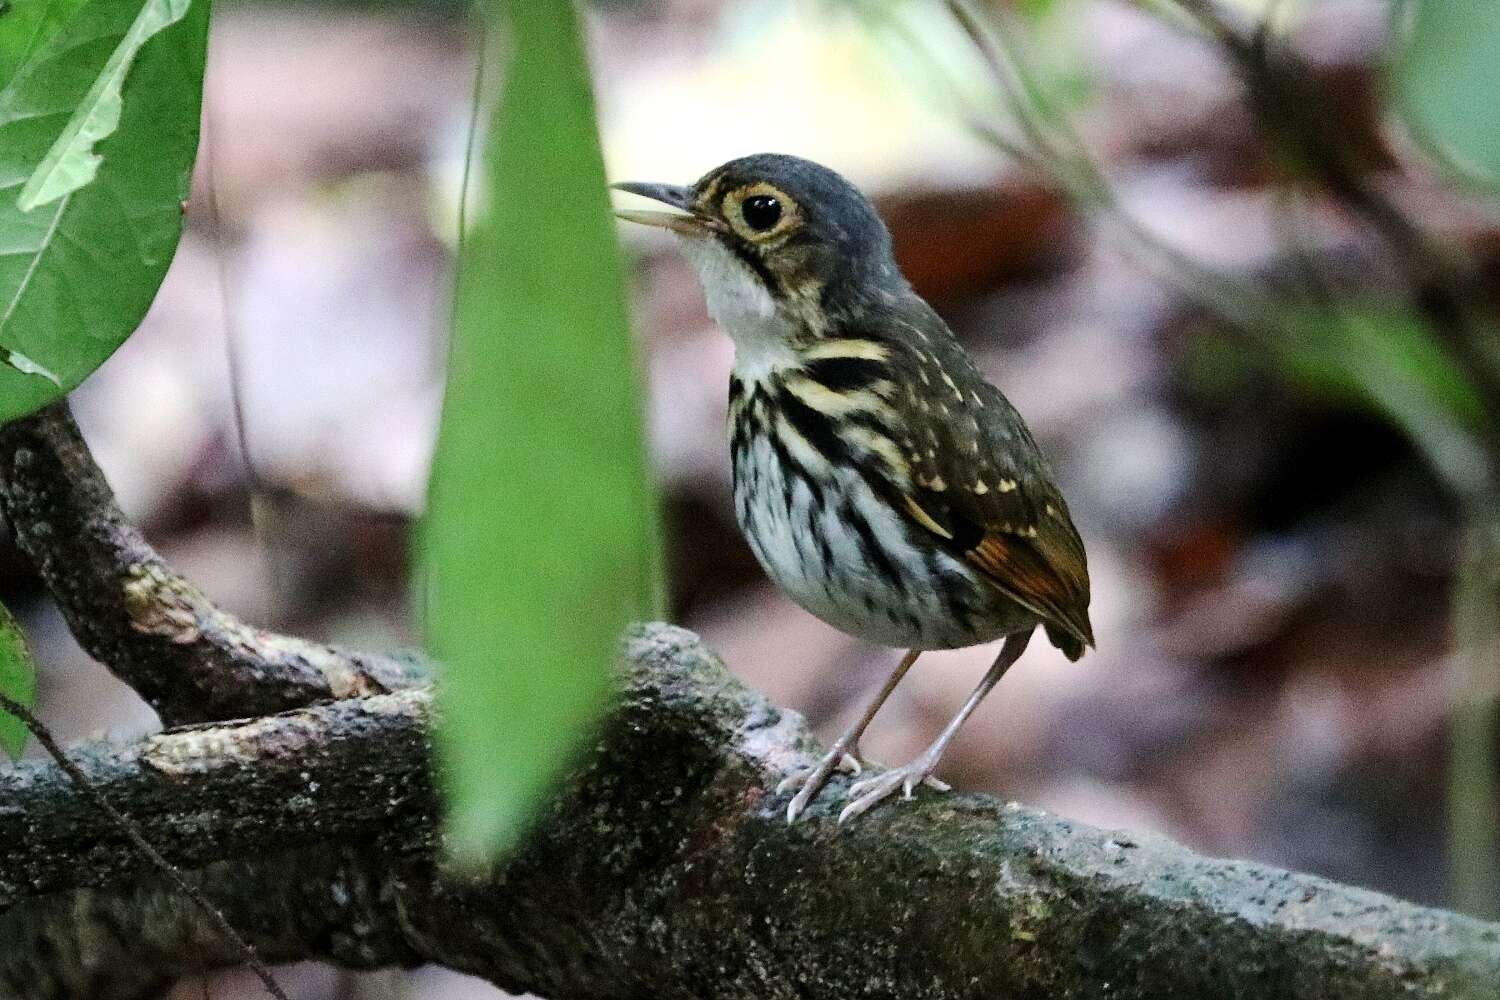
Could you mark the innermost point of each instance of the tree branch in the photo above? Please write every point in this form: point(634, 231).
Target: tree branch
point(191, 661)
point(141, 845)
point(663, 868)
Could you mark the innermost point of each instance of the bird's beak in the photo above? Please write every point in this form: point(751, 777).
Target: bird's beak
point(685, 221)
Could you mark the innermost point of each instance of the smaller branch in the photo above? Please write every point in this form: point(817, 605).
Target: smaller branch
point(133, 833)
point(190, 660)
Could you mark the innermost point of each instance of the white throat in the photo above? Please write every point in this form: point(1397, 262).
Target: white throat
point(739, 302)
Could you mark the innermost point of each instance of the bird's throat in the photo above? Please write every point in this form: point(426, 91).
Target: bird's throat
point(763, 330)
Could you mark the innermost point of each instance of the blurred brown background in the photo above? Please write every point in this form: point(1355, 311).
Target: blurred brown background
point(1271, 564)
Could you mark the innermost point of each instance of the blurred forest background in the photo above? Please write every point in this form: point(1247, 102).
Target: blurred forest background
point(1273, 558)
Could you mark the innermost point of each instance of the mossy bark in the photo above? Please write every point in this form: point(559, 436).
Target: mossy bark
point(665, 868)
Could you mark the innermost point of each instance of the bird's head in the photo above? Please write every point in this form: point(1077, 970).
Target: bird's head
point(777, 238)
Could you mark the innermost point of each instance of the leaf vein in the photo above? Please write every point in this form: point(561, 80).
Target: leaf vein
point(35, 260)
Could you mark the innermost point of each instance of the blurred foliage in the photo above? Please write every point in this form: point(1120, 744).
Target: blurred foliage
point(933, 52)
point(540, 538)
point(1387, 359)
point(1368, 355)
point(1055, 69)
point(1447, 80)
point(17, 682)
point(1473, 784)
point(919, 44)
point(1037, 8)
point(99, 107)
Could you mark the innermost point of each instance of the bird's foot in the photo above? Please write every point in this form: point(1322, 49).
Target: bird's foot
point(809, 781)
point(864, 795)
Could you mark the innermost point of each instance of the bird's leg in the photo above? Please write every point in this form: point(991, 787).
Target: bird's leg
point(865, 794)
point(845, 749)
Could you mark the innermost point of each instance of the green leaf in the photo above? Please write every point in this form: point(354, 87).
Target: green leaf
point(71, 162)
point(1364, 350)
point(1448, 78)
point(1390, 361)
point(17, 682)
point(99, 108)
point(1036, 9)
point(26, 366)
point(23, 27)
point(539, 533)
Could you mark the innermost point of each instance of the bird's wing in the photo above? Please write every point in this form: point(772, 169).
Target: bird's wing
point(980, 483)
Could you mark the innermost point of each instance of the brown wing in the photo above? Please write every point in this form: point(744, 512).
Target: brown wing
point(1046, 574)
point(980, 484)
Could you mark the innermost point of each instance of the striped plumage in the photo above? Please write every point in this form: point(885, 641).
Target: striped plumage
point(881, 481)
point(845, 496)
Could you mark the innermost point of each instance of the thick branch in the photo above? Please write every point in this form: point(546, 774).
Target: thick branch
point(191, 661)
point(665, 869)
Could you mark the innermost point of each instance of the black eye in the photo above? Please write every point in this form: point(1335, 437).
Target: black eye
point(761, 212)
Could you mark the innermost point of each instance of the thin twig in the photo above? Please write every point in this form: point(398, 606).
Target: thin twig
point(141, 844)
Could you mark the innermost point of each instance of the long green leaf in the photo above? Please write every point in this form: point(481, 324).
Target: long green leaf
point(17, 682)
point(539, 538)
point(1365, 347)
point(1389, 360)
point(99, 108)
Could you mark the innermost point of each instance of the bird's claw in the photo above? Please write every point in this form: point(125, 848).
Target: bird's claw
point(848, 763)
point(865, 795)
point(810, 780)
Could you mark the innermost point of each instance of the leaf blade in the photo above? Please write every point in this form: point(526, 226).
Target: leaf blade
point(26, 366)
point(71, 162)
point(538, 536)
point(1447, 78)
point(17, 682)
point(78, 273)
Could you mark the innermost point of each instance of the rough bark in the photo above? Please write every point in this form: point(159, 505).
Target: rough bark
point(664, 869)
point(190, 660)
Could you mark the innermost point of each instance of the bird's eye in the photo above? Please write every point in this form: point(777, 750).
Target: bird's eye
point(761, 211)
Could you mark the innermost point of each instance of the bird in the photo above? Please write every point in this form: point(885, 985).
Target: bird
point(881, 481)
